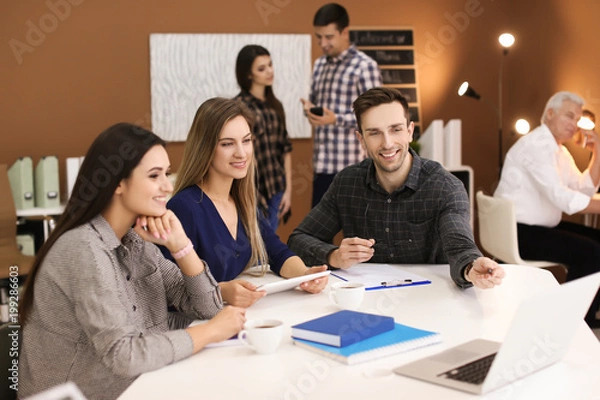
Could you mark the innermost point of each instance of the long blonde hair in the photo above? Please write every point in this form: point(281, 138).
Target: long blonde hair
point(198, 155)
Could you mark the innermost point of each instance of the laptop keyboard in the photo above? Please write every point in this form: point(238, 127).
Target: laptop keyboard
point(473, 372)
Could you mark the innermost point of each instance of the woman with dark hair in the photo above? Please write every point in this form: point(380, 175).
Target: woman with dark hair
point(95, 306)
point(215, 200)
point(272, 146)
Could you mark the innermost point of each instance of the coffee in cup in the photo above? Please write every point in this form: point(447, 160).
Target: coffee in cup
point(347, 295)
point(262, 335)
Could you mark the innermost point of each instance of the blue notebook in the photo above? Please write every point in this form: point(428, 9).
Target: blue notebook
point(343, 328)
point(402, 338)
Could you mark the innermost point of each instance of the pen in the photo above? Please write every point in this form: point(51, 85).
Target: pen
point(397, 282)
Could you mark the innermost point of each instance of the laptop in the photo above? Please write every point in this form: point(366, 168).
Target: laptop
point(539, 336)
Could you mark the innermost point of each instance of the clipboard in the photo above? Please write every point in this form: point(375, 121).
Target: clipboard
point(373, 276)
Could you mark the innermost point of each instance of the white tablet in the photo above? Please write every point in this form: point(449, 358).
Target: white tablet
point(287, 284)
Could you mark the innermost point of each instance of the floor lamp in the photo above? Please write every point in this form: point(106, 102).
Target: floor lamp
point(506, 40)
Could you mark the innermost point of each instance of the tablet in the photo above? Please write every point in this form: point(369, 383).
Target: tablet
point(288, 284)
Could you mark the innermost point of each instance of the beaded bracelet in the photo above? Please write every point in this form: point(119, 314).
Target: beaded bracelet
point(183, 252)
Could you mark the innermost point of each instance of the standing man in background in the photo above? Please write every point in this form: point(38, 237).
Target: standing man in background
point(339, 77)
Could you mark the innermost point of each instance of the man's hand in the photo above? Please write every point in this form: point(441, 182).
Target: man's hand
point(589, 140)
point(307, 105)
point(240, 293)
point(485, 273)
point(352, 251)
point(328, 117)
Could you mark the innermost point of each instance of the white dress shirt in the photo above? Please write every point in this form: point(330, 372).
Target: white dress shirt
point(542, 180)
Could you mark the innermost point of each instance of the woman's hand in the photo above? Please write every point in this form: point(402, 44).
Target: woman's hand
point(316, 285)
point(228, 322)
point(240, 293)
point(286, 203)
point(165, 230)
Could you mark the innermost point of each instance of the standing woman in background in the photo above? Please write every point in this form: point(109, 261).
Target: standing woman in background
point(272, 146)
point(95, 306)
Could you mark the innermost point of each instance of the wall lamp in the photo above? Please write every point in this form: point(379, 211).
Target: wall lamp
point(522, 126)
point(466, 90)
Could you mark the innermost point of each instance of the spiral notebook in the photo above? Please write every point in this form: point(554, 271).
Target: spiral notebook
point(400, 339)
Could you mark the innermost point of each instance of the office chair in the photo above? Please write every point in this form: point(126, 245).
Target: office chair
point(9, 250)
point(498, 233)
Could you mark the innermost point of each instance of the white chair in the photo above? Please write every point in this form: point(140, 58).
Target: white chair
point(498, 231)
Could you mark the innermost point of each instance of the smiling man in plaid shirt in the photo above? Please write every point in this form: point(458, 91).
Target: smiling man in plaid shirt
point(339, 77)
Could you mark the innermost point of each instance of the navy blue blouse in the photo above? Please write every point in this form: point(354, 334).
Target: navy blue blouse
point(226, 256)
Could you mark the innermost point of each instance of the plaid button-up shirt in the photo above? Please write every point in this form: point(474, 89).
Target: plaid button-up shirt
point(424, 221)
point(336, 83)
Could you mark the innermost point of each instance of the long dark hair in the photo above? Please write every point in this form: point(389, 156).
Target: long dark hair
point(243, 71)
point(110, 159)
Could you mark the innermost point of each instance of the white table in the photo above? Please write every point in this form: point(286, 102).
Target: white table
point(236, 372)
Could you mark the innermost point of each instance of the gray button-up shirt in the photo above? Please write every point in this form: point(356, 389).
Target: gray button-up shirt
point(100, 317)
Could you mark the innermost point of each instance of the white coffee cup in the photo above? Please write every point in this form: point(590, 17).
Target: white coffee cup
point(262, 335)
point(347, 295)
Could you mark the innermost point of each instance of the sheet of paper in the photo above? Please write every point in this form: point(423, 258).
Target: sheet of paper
point(372, 275)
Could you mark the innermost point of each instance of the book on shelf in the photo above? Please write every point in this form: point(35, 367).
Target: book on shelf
point(343, 328)
point(402, 338)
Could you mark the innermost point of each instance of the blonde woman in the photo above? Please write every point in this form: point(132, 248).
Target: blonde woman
point(215, 200)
